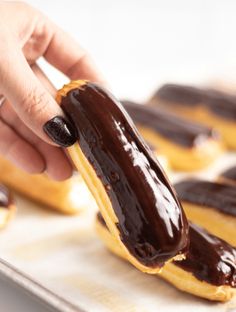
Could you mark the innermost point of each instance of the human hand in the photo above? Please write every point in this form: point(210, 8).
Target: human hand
point(30, 135)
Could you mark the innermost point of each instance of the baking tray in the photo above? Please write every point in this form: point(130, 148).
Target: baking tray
point(42, 297)
point(61, 262)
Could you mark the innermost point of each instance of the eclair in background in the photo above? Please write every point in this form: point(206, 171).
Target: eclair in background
point(64, 196)
point(187, 145)
point(211, 205)
point(209, 106)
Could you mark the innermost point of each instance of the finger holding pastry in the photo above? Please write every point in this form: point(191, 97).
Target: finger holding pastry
point(33, 126)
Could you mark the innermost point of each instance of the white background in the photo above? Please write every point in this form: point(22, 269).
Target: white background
point(141, 44)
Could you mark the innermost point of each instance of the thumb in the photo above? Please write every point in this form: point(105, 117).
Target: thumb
point(33, 104)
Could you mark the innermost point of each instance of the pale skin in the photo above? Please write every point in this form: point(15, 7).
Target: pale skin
point(25, 35)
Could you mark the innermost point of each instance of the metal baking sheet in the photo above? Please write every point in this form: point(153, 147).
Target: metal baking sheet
point(42, 297)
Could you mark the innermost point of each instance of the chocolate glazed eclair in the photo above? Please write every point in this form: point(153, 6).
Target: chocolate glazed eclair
point(133, 194)
point(211, 205)
point(187, 145)
point(7, 206)
point(211, 107)
point(209, 270)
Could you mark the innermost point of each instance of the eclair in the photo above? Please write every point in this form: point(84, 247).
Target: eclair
point(208, 271)
point(133, 194)
point(228, 176)
point(7, 205)
point(187, 145)
point(64, 196)
point(211, 107)
point(211, 205)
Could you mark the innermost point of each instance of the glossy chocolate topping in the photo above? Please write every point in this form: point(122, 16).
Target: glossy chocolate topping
point(230, 174)
point(209, 258)
point(220, 103)
point(208, 194)
point(5, 197)
point(151, 221)
point(178, 130)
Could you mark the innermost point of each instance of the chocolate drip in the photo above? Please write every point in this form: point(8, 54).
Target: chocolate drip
point(208, 194)
point(151, 221)
point(230, 174)
point(209, 258)
point(178, 130)
point(5, 196)
point(220, 103)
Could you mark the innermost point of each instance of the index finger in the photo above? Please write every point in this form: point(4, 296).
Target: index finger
point(64, 53)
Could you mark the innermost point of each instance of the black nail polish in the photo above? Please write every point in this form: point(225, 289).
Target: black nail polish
point(60, 131)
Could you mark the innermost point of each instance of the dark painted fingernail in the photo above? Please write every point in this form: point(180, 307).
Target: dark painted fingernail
point(60, 131)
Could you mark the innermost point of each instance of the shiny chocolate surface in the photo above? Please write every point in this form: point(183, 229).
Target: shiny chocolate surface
point(210, 258)
point(151, 221)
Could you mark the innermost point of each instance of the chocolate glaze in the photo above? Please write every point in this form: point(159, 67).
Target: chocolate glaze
point(230, 174)
point(208, 194)
point(151, 221)
point(220, 103)
point(5, 197)
point(178, 130)
point(209, 258)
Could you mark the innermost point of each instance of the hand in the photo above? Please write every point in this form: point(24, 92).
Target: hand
point(27, 116)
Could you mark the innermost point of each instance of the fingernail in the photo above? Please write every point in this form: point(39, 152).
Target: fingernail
point(60, 131)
